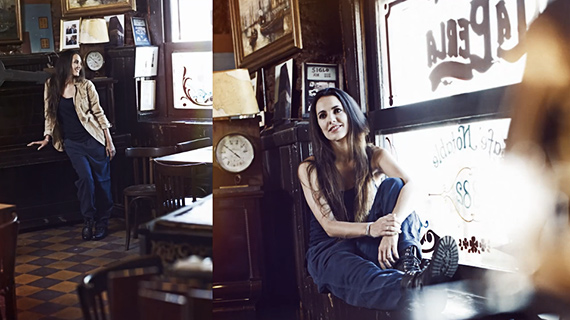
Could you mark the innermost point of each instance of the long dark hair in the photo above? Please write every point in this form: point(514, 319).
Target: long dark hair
point(57, 80)
point(329, 178)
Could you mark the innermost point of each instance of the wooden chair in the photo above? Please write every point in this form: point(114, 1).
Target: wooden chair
point(163, 305)
point(93, 287)
point(177, 185)
point(199, 301)
point(8, 240)
point(144, 188)
point(122, 286)
point(193, 144)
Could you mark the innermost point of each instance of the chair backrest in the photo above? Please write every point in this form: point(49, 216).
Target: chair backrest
point(163, 305)
point(193, 144)
point(201, 303)
point(91, 290)
point(175, 184)
point(142, 161)
point(200, 300)
point(123, 284)
point(8, 242)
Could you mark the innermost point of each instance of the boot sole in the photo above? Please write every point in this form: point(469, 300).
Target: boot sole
point(444, 261)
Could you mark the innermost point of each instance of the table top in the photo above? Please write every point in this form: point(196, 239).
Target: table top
point(201, 155)
point(198, 213)
point(196, 217)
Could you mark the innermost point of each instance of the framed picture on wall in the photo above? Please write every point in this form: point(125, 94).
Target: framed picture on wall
point(11, 22)
point(318, 76)
point(78, 8)
point(140, 32)
point(263, 31)
point(69, 34)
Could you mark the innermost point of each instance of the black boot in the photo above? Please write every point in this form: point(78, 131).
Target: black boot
point(409, 260)
point(100, 232)
point(87, 232)
point(441, 268)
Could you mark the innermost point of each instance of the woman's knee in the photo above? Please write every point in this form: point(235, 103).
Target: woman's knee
point(386, 197)
point(392, 185)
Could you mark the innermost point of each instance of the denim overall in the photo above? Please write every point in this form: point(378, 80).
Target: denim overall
point(349, 268)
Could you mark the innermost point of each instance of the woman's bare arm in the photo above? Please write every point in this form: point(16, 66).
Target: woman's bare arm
point(381, 159)
point(340, 229)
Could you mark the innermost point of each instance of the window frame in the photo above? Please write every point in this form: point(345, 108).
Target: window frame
point(169, 48)
point(478, 105)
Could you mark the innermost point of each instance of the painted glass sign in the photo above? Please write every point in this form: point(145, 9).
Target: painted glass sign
point(192, 80)
point(439, 48)
point(450, 166)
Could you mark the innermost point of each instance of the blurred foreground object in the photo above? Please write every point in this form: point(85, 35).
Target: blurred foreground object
point(540, 133)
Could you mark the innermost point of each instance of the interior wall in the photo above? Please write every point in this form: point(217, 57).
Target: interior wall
point(56, 16)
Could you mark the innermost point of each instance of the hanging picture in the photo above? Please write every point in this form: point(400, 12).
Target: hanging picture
point(77, 8)
point(264, 31)
point(140, 32)
point(69, 35)
point(10, 22)
point(39, 27)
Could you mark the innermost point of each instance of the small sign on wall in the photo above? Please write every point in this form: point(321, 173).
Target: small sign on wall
point(146, 61)
point(318, 76)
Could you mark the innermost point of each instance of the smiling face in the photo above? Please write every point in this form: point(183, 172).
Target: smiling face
point(332, 118)
point(76, 65)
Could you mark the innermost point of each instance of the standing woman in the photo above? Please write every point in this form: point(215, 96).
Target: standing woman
point(364, 242)
point(75, 121)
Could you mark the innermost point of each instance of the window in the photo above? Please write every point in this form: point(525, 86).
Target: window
point(188, 52)
point(442, 70)
point(450, 164)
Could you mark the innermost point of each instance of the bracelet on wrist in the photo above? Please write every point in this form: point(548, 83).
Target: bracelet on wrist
point(368, 229)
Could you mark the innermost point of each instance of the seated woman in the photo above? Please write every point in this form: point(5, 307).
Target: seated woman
point(364, 245)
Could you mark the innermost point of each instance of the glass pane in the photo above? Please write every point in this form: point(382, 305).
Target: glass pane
point(449, 165)
point(192, 80)
point(436, 49)
point(191, 20)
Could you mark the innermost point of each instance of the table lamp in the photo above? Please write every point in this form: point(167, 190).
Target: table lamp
point(92, 35)
point(233, 94)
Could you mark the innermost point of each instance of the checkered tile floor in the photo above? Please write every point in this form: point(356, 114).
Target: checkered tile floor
point(50, 263)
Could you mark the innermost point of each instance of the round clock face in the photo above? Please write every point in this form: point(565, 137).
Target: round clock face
point(234, 153)
point(94, 60)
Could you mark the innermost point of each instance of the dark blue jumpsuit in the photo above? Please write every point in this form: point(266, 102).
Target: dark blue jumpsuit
point(90, 161)
point(349, 268)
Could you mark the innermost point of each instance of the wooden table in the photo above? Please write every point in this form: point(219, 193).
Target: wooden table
point(6, 211)
point(181, 233)
point(202, 155)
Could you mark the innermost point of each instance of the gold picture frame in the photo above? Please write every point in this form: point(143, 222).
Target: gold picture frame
point(11, 23)
point(263, 31)
point(74, 8)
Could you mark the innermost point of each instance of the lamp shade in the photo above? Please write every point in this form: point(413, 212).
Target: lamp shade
point(233, 94)
point(93, 31)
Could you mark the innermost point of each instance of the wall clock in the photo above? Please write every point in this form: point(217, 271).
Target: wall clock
point(237, 152)
point(94, 60)
point(234, 153)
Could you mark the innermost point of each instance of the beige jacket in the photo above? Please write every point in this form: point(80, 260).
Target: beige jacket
point(90, 113)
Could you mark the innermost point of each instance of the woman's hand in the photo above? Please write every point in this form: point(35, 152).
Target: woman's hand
point(41, 143)
point(388, 251)
point(110, 149)
point(385, 226)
